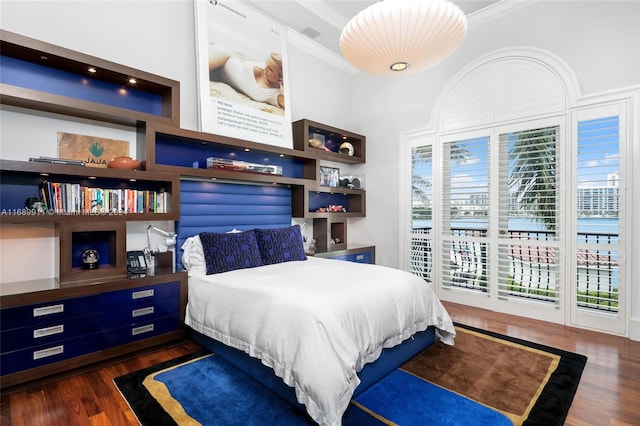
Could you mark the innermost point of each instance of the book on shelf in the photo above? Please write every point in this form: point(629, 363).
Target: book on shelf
point(53, 160)
point(73, 198)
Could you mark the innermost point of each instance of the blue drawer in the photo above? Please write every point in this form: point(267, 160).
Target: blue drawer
point(47, 313)
point(47, 334)
point(141, 296)
point(139, 331)
point(26, 359)
point(363, 257)
point(135, 314)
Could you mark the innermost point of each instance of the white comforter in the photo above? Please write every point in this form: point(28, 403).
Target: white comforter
point(315, 322)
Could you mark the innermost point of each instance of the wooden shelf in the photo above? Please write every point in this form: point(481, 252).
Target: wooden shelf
point(303, 130)
point(307, 201)
point(185, 152)
point(20, 180)
point(44, 77)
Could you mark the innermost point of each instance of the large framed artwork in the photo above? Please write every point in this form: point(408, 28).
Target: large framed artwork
point(242, 73)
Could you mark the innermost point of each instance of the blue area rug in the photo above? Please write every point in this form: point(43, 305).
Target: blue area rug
point(207, 390)
point(484, 379)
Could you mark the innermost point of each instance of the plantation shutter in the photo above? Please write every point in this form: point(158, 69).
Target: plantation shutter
point(598, 208)
point(529, 232)
point(421, 257)
point(465, 214)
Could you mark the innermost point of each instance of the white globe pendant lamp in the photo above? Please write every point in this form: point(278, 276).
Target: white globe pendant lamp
point(400, 37)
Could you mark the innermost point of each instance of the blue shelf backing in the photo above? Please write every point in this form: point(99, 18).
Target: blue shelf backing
point(177, 151)
point(29, 75)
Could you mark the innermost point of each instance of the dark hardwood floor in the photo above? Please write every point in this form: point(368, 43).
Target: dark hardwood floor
point(608, 394)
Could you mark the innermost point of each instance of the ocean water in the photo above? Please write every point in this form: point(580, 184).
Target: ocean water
point(586, 225)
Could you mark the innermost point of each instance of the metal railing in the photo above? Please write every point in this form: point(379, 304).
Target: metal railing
point(532, 269)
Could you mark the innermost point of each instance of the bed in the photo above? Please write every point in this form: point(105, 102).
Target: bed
point(316, 331)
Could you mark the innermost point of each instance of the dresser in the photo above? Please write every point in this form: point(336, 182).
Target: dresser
point(49, 327)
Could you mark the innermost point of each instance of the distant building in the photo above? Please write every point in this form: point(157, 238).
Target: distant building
point(600, 200)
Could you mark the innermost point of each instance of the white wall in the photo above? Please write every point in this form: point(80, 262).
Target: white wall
point(153, 36)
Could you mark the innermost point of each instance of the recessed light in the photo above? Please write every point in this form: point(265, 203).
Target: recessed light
point(92, 70)
point(132, 80)
point(399, 66)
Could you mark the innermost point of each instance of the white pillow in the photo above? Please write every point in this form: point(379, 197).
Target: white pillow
point(193, 255)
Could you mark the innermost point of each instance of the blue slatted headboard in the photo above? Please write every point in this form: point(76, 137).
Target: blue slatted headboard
point(207, 206)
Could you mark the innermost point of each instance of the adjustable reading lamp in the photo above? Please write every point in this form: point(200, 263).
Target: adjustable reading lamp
point(170, 240)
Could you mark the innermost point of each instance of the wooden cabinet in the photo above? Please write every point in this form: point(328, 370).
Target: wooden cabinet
point(49, 327)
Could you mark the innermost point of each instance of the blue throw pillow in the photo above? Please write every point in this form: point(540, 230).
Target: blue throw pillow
point(226, 252)
point(280, 244)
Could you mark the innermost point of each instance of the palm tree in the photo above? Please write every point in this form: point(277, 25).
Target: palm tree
point(532, 173)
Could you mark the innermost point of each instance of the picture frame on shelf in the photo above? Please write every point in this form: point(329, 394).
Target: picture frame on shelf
point(329, 176)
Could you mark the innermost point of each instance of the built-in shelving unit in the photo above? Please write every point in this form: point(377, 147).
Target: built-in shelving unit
point(328, 207)
point(85, 315)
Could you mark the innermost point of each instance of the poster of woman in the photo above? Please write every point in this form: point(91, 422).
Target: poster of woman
point(242, 73)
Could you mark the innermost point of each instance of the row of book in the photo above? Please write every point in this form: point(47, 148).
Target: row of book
point(72, 198)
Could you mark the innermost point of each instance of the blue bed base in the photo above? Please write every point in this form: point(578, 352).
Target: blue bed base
point(221, 207)
point(371, 373)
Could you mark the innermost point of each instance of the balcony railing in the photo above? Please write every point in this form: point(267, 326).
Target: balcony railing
point(532, 270)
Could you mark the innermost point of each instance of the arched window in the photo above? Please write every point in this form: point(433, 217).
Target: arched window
point(513, 199)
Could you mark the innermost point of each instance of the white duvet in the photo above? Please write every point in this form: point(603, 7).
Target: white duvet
point(315, 322)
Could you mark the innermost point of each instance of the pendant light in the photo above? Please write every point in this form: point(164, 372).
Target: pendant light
point(400, 37)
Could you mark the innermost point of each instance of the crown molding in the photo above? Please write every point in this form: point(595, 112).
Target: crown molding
point(497, 10)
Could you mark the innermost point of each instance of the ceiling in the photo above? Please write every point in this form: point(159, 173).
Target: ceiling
point(323, 20)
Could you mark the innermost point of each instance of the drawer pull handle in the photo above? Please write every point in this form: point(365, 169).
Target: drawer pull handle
point(48, 310)
point(48, 331)
point(142, 294)
point(140, 330)
point(142, 311)
point(43, 353)
point(360, 257)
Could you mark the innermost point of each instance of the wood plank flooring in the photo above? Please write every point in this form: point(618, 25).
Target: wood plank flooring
point(609, 392)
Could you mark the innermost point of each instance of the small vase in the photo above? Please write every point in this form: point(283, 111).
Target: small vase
point(123, 163)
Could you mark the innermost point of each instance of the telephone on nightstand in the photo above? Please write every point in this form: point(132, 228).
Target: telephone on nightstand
point(137, 262)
